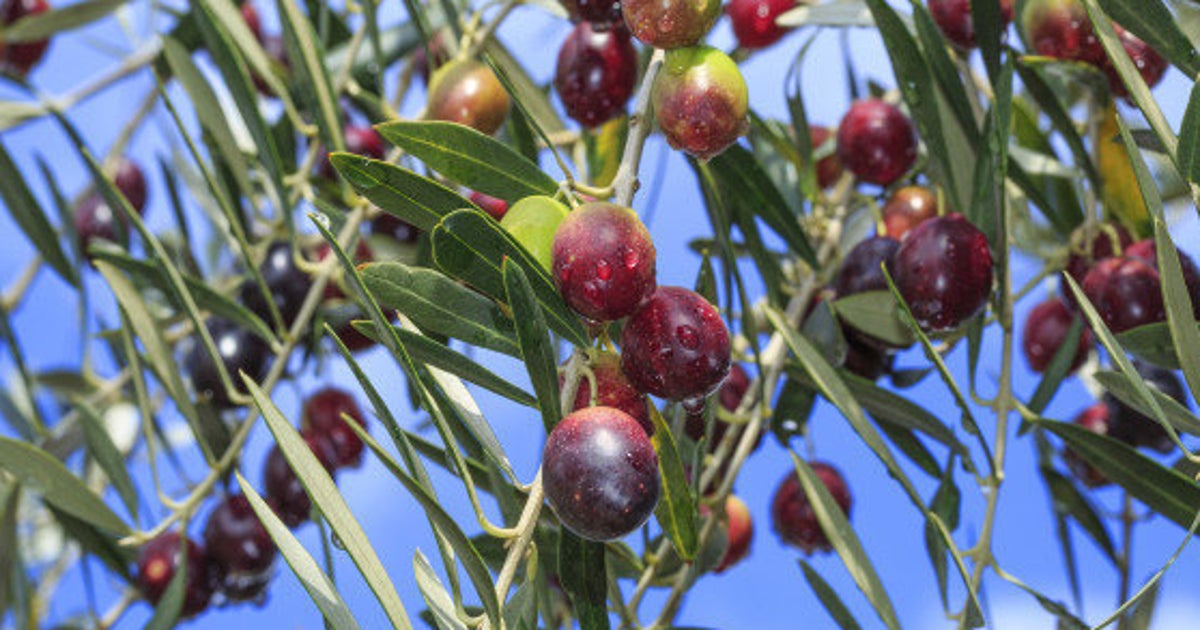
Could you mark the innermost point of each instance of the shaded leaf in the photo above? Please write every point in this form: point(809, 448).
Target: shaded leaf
point(536, 348)
point(29, 216)
point(581, 569)
point(399, 191)
point(829, 598)
point(676, 510)
point(41, 472)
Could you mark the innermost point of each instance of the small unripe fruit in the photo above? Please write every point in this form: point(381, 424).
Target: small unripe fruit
point(239, 550)
point(700, 101)
point(1045, 332)
point(676, 346)
point(907, 208)
point(943, 270)
point(322, 414)
point(600, 473)
point(670, 23)
point(1126, 293)
point(953, 18)
point(792, 515)
point(596, 73)
point(877, 142)
point(740, 532)
point(533, 221)
point(1094, 419)
point(753, 21)
point(159, 561)
point(612, 389)
point(21, 58)
point(467, 92)
point(603, 261)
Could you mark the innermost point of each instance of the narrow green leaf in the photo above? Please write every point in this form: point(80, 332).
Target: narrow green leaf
point(1073, 503)
point(877, 312)
point(399, 191)
point(829, 598)
point(1143, 614)
point(532, 97)
point(434, 354)
point(1139, 92)
point(470, 158)
point(218, 302)
point(110, 460)
point(1179, 307)
point(307, 57)
point(916, 85)
point(11, 493)
point(1154, 23)
point(845, 542)
point(536, 347)
point(944, 71)
point(676, 510)
point(441, 604)
point(1066, 620)
point(738, 172)
point(212, 117)
point(320, 589)
point(1050, 104)
point(39, 26)
point(989, 30)
point(1176, 414)
point(581, 569)
point(447, 527)
point(1153, 343)
point(1189, 139)
point(29, 216)
point(232, 46)
point(439, 304)
point(41, 472)
point(158, 352)
point(98, 543)
point(1163, 490)
point(1117, 355)
point(470, 246)
point(325, 496)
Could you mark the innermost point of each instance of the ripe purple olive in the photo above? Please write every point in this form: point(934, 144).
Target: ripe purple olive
point(700, 101)
point(467, 92)
point(239, 550)
point(753, 21)
point(1126, 293)
point(1136, 428)
point(676, 346)
point(600, 473)
point(603, 261)
point(158, 562)
point(238, 349)
point(792, 515)
point(953, 18)
point(1045, 330)
point(322, 413)
point(282, 487)
point(1096, 420)
point(876, 142)
point(943, 270)
point(670, 23)
point(1147, 251)
point(21, 58)
point(596, 73)
point(612, 389)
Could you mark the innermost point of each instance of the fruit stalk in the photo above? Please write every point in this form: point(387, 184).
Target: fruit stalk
point(625, 184)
